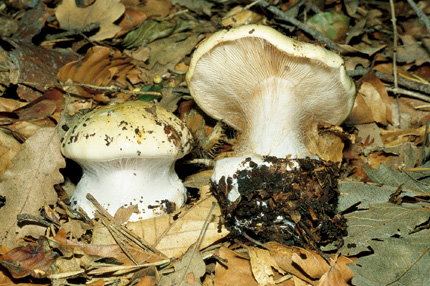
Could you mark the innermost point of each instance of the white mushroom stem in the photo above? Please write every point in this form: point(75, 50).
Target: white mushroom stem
point(147, 182)
point(272, 129)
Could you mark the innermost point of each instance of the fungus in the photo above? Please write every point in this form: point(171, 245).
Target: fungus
point(269, 87)
point(127, 153)
point(272, 89)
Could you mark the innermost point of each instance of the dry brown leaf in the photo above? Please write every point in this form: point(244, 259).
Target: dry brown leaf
point(25, 128)
point(368, 107)
point(305, 264)
point(237, 271)
point(101, 66)
point(188, 270)
point(327, 141)
point(151, 8)
point(29, 184)
point(239, 16)
point(112, 250)
point(261, 265)
point(396, 137)
point(7, 104)
point(9, 146)
point(105, 12)
point(173, 236)
point(130, 20)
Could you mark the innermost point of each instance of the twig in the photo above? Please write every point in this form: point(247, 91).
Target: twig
point(420, 14)
point(423, 88)
point(88, 28)
point(119, 270)
point(409, 93)
point(320, 37)
point(396, 82)
point(121, 231)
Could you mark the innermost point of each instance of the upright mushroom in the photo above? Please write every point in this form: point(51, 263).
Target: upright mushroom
point(127, 153)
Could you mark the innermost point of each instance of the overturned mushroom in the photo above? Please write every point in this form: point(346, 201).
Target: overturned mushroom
point(272, 89)
point(127, 153)
point(269, 87)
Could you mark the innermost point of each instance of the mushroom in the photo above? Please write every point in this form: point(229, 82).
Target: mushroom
point(269, 87)
point(127, 153)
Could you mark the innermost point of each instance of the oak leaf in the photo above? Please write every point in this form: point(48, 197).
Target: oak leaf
point(29, 184)
point(105, 12)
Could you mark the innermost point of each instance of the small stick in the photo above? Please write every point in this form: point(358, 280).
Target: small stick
point(396, 82)
point(407, 92)
point(421, 87)
point(420, 14)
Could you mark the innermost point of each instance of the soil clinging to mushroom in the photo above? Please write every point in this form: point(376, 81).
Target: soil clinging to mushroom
point(287, 201)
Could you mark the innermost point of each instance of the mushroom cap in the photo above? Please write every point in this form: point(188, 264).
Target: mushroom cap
point(127, 130)
point(228, 69)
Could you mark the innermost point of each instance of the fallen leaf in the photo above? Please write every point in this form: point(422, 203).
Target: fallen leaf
point(308, 265)
point(35, 66)
point(188, 270)
point(35, 260)
point(198, 6)
point(168, 52)
point(403, 260)
point(29, 184)
point(368, 107)
point(9, 147)
point(261, 265)
point(172, 236)
point(101, 66)
point(130, 20)
point(152, 8)
point(327, 141)
point(235, 271)
point(105, 12)
point(111, 250)
point(396, 137)
point(239, 16)
point(380, 222)
point(334, 25)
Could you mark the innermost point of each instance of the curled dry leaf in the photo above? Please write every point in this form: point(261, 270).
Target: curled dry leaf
point(371, 104)
point(327, 141)
point(35, 260)
point(105, 12)
point(396, 137)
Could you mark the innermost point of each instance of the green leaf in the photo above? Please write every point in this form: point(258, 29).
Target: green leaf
point(364, 194)
point(380, 222)
point(396, 261)
point(151, 30)
point(417, 181)
point(333, 24)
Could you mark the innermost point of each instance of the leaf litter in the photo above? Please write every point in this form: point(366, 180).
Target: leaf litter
point(72, 57)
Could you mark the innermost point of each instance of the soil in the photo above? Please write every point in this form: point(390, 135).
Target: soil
point(292, 202)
